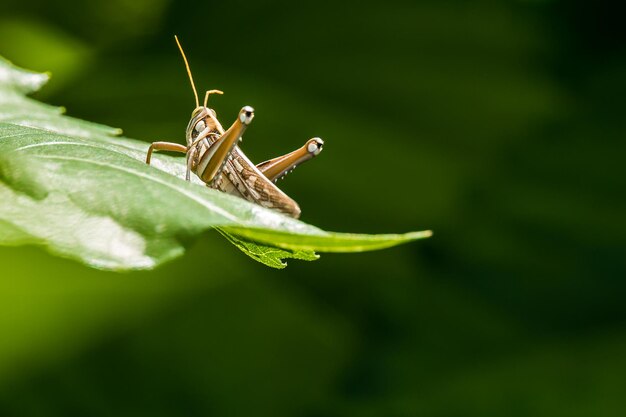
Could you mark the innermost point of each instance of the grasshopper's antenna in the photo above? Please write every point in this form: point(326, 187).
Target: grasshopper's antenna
point(193, 86)
point(206, 97)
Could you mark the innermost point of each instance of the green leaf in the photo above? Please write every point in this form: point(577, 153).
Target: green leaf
point(270, 256)
point(69, 185)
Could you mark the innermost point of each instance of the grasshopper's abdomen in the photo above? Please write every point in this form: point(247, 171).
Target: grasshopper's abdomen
point(241, 178)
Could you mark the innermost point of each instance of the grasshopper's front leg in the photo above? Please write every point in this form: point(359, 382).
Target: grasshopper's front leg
point(174, 147)
point(164, 146)
point(277, 168)
point(212, 160)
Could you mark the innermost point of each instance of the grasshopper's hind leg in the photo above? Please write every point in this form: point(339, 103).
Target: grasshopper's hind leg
point(277, 168)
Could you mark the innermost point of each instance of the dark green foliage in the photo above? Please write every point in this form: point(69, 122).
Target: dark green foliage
point(500, 126)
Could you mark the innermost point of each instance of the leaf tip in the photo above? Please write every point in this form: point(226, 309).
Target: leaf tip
point(423, 234)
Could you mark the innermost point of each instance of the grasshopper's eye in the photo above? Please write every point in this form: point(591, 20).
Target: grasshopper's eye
point(200, 126)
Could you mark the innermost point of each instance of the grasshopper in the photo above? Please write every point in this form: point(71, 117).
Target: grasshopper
point(213, 155)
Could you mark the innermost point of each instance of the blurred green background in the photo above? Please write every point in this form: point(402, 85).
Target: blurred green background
point(499, 125)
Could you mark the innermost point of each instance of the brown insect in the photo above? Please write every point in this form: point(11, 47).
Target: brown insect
point(213, 155)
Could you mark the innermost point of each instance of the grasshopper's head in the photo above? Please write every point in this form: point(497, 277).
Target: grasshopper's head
point(203, 121)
